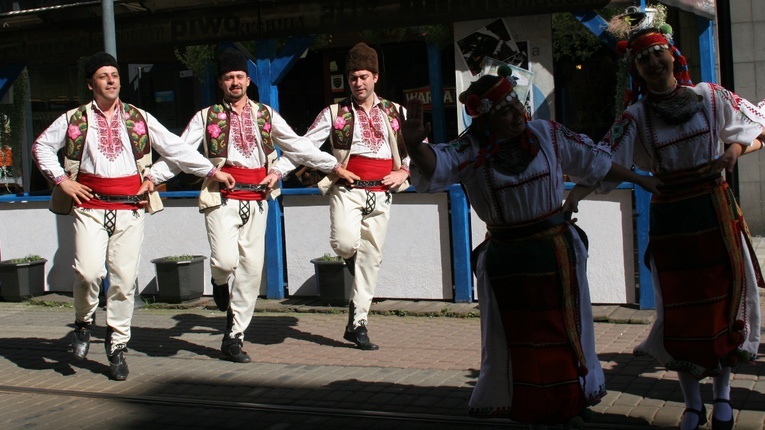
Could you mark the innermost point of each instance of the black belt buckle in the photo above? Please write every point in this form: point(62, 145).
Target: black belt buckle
point(118, 198)
point(366, 184)
point(258, 188)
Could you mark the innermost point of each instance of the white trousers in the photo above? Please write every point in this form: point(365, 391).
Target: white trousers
point(353, 231)
point(95, 251)
point(238, 248)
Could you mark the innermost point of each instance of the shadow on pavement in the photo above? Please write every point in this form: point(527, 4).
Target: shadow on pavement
point(628, 373)
point(272, 330)
point(45, 354)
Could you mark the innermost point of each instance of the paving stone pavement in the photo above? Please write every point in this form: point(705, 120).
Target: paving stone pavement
point(305, 376)
point(427, 365)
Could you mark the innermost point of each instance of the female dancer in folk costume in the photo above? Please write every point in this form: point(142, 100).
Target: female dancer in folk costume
point(704, 271)
point(539, 364)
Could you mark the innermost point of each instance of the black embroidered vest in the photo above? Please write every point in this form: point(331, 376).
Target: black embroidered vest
point(217, 129)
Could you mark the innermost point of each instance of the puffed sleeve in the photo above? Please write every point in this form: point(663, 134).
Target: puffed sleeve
point(177, 153)
point(620, 143)
point(298, 150)
point(739, 120)
point(580, 157)
point(451, 158)
point(46, 147)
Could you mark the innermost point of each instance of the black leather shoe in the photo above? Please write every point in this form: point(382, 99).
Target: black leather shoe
point(221, 295)
point(360, 338)
point(118, 368)
point(81, 341)
point(702, 415)
point(719, 424)
point(232, 350)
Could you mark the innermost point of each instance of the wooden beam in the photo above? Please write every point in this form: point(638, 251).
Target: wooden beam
point(240, 21)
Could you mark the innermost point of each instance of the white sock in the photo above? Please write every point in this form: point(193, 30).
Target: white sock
point(721, 389)
point(692, 395)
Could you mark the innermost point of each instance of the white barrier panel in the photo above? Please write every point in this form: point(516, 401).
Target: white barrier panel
point(416, 254)
point(30, 228)
point(607, 220)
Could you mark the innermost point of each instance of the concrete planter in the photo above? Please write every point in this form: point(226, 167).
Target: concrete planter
point(333, 280)
point(21, 281)
point(180, 280)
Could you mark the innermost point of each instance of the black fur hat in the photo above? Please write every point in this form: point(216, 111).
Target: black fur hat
point(98, 60)
point(232, 60)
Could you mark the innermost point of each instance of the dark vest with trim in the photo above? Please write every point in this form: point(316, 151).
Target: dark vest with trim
point(216, 144)
point(341, 138)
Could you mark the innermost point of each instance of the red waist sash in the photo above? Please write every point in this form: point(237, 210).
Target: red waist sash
point(370, 169)
point(244, 175)
point(126, 186)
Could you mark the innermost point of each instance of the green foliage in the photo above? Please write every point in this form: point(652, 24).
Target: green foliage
point(28, 259)
point(327, 257)
point(251, 46)
point(572, 40)
point(50, 304)
point(182, 257)
point(198, 58)
point(151, 302)
point(439, 34)
point(320, 41)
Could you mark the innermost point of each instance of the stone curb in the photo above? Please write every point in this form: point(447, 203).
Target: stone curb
point(619, 314)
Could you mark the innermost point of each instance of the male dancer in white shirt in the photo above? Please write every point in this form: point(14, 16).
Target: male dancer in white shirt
point(103, 184)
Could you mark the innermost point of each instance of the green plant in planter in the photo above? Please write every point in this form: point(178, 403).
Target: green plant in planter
point(333, 280)
point(28, 259)
point(182, 257)
point(327, 257)
point(179, 277)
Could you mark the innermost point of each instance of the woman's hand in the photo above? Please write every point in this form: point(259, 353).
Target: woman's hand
point(728, 160)
point(650, 183)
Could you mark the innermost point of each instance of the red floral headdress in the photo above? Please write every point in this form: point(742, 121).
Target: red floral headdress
point(642, 43)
